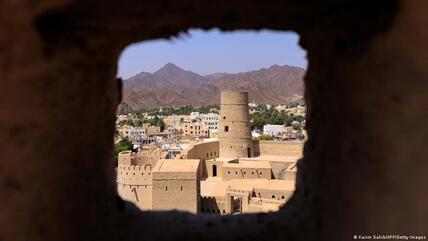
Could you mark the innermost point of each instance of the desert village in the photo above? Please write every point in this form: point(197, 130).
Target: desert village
point(227, 174)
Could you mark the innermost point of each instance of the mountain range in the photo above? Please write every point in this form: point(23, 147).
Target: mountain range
point(173, 86)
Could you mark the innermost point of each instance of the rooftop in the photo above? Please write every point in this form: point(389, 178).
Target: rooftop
point(215, 186)
point(273, 158)
point(177, 165)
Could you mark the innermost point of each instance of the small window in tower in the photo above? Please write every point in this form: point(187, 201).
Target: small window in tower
point(181, 188)
point(226, 128)
point(224, 117)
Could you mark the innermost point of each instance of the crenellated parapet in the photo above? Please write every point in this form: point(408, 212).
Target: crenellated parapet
point(134, 175)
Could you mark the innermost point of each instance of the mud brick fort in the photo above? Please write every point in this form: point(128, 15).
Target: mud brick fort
point(231, 175)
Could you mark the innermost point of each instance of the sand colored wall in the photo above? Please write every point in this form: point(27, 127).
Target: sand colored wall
point(216, 205)
point(234, 125)
point(232, 193)
point(203, 151)
point(273, 194)
point(277, 167)
point(176, 194)
point(134, 183)
point(124, 158)
point(208, 168)
point(291, 149)
point(134, 175)
point(257, 205)
point(176, 190)
point(140, 195)
point(238, 172)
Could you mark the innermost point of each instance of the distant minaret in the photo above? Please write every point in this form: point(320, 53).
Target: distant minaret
point(235, 130)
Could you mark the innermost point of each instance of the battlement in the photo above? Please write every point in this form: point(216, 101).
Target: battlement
point(134, 175)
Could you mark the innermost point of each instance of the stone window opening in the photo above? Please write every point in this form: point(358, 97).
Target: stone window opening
point(236, 22)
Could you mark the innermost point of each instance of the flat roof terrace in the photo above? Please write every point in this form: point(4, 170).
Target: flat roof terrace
point(273, 158)
point(215, 187)
point(177, 165)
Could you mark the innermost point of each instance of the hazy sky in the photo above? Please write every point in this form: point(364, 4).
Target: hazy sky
point(207, 52)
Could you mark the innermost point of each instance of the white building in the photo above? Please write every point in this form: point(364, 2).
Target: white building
point(133, 132)
point(208, 121)
point(273, 129)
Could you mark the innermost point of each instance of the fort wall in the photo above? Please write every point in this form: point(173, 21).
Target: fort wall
point(134, 183)
point(176, 194)
point(176, 185)
point(236, 171)
point(273, 194)
point(203, 151)
point(216, 205)
point(277, 148)
point(213, 168)
point(140, 195)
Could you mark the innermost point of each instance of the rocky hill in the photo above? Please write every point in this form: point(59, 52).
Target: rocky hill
point(173, 86)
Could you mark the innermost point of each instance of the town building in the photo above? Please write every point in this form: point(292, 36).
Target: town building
point(194, 128)
point(144, 134)
point(208, 121)
point(274, 130)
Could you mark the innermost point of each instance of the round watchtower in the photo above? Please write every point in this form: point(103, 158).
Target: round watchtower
point(235, 130)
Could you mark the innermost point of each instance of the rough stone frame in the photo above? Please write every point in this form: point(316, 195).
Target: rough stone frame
point(367, 77)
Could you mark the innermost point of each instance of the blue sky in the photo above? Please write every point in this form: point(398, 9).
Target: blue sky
point(207, 52)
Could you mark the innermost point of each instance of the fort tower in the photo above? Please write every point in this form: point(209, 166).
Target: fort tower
point(235, 130)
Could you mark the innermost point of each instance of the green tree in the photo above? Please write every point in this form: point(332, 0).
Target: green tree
point(263, 138)
point(128, 122)
point(297, 127)
point(156, 121)
point(123, 145)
